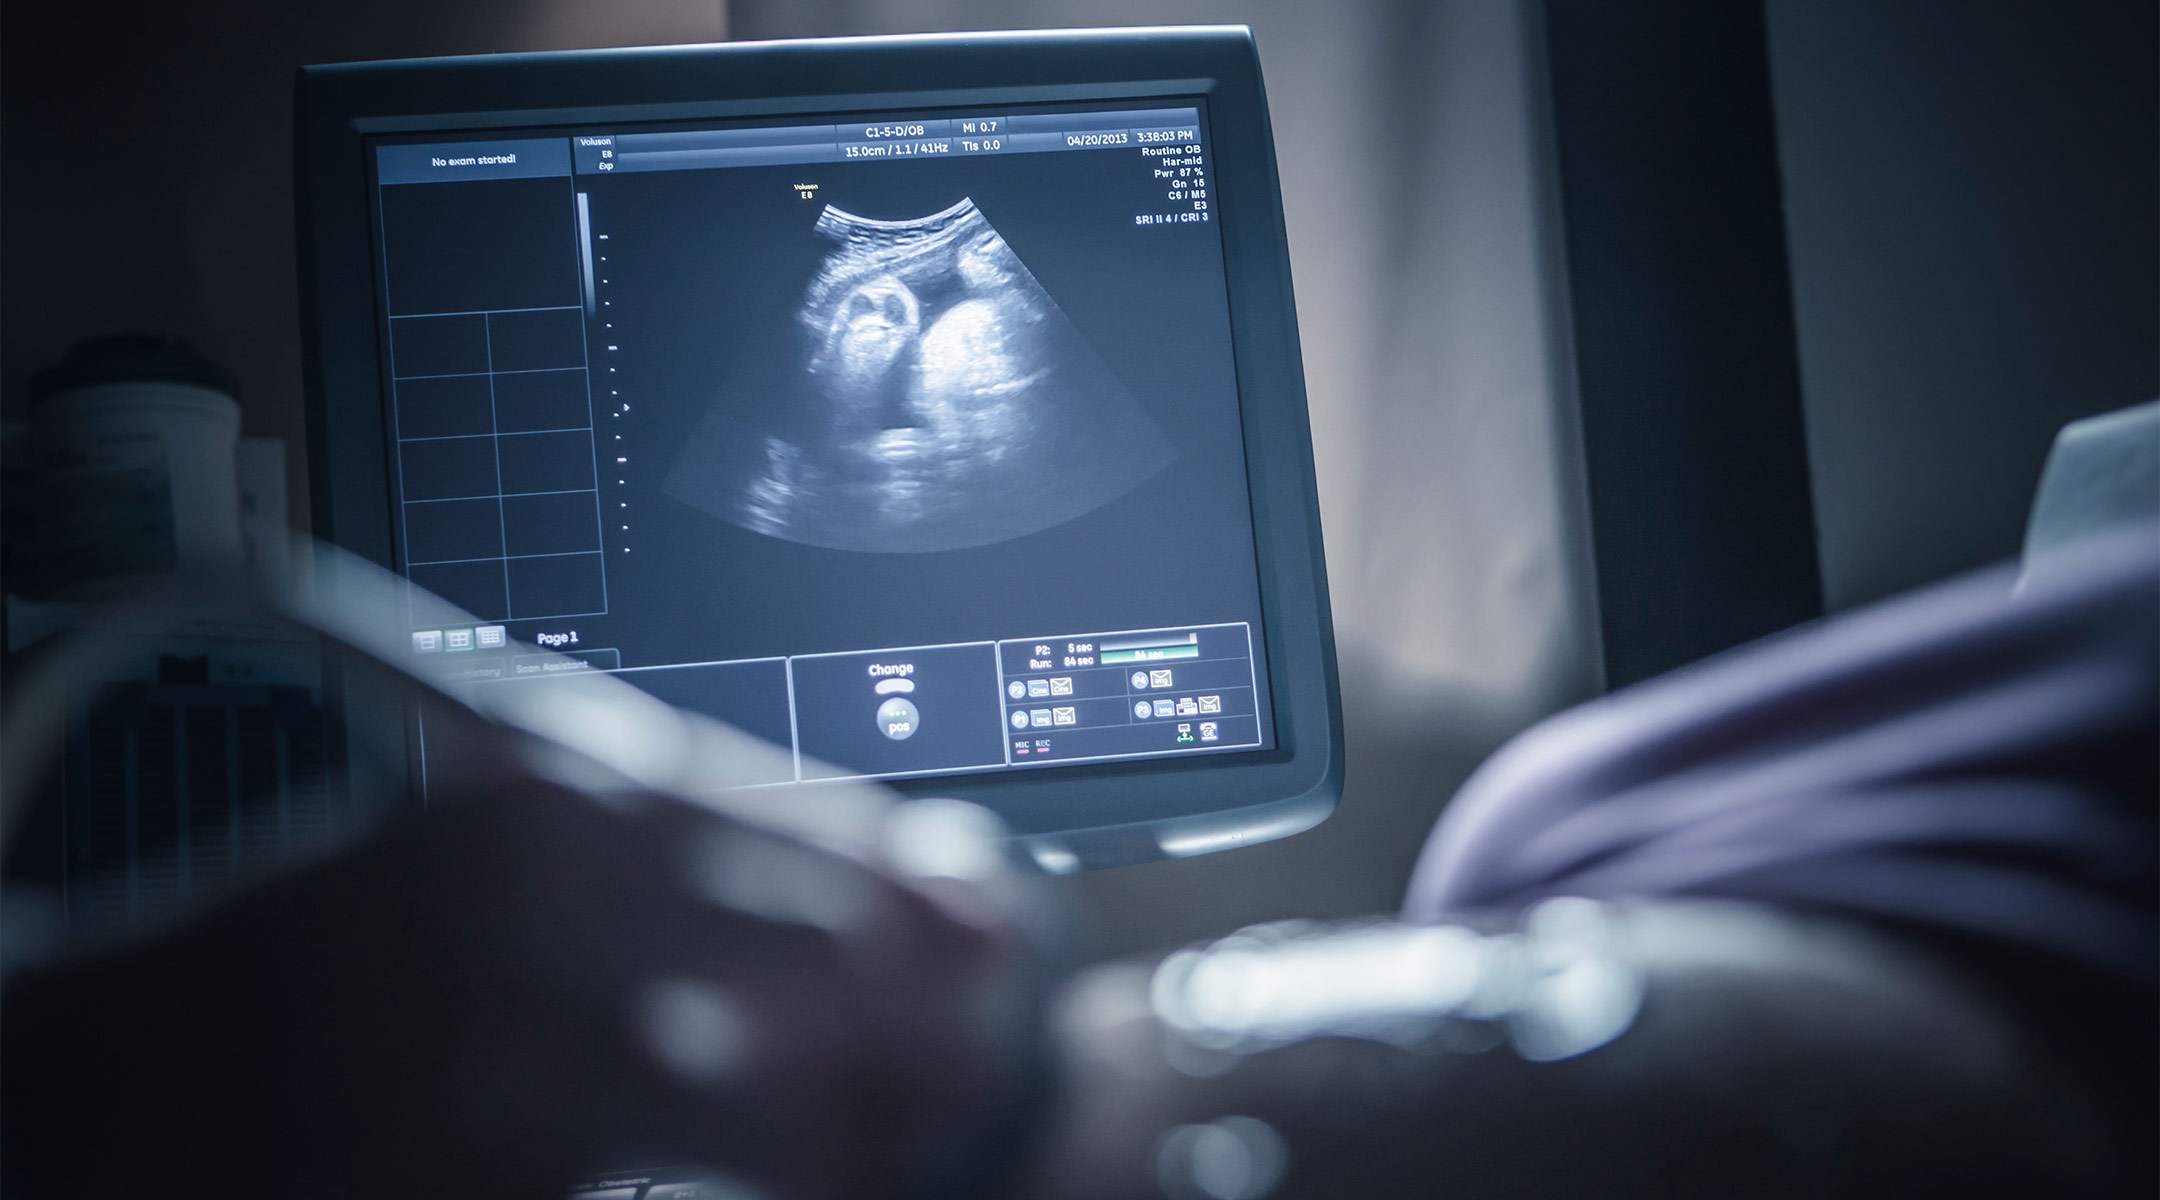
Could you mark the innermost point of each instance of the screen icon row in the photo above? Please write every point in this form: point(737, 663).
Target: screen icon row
point(1024, 689)
point(480, 637)
point(1183, 706)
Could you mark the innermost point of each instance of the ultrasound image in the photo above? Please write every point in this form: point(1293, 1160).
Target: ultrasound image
point(927, 395)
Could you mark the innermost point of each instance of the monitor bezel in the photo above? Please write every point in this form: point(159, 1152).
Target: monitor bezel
point(1076, 816)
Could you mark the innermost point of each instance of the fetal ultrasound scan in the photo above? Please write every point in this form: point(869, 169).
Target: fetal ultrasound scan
point(928, 394)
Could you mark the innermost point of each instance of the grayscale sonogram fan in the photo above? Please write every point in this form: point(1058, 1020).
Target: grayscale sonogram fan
point(931, 396)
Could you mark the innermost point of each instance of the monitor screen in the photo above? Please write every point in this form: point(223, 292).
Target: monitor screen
point(946, 428)
point(909, 439)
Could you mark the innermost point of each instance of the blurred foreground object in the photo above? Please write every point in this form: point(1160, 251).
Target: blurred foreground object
point(1632, 1049)
point(1865, 909)
point(135, 442)
point(193, 752)
point(587, 953)
point(1961, 760)
point(2102, 475)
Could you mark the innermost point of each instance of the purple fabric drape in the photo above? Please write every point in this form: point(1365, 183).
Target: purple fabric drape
point(1963, 758)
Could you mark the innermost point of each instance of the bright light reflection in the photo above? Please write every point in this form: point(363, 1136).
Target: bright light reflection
point(1054, 859)
point(1556, 990)
point(945, 839)
point(693, 1029)
point(781, 881)
point(1234, 1158)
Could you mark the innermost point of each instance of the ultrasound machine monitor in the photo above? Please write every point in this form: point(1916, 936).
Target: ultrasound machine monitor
point(929, 406)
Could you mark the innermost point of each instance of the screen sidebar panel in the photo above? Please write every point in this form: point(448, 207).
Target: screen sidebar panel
point(911, 442)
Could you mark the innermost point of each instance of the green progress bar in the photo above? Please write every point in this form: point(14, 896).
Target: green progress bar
point(1150, 654)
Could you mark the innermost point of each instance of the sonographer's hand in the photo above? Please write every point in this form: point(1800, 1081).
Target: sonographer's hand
point(531, 984)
